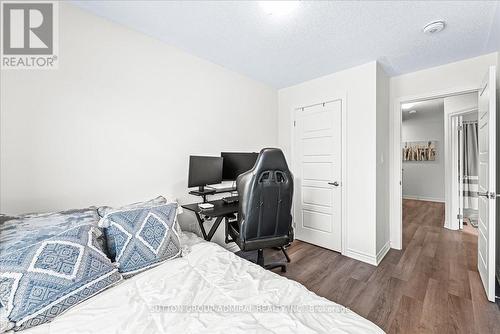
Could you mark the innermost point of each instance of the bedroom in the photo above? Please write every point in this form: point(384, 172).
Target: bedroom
point(138, 87)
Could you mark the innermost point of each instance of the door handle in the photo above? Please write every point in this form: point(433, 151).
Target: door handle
point(490, 195)
point(336, 184)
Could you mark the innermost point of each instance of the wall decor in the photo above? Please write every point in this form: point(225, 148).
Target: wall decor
point(419, 150)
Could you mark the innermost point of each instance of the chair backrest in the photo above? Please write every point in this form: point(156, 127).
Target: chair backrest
point(265, 197)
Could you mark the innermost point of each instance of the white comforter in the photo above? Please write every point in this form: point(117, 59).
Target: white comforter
point(231, 295)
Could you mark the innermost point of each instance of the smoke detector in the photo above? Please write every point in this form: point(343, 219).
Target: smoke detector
point(434, 27)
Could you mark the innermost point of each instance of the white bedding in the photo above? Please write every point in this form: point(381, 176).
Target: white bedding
point(207, 275)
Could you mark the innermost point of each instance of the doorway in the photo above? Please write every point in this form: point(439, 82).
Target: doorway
point(462, 159)
point(396, 172)
point(466, 146)
point(423, 168)
point(422, 142)
point(439, 140)
point(487, 129)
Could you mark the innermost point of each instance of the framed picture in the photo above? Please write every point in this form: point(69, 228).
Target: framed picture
point(419, 150)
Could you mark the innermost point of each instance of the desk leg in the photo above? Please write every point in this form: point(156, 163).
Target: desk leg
point(214, 228)
point(227, 240)
point(200, 222)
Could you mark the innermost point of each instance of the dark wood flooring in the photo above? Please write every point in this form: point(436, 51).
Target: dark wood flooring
point(431, 286)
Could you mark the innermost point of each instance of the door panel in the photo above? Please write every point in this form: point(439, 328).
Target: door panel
point(317, 162)
point(487, 169)
point(317, 171)
point(318, 122)
point(317, 221)
point(317, 196)
point(317, 146)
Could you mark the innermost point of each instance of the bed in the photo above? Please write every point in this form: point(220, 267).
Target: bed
point(210, 290)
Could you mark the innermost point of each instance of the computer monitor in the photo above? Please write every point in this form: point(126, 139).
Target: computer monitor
point(204, 171)
point(236, 163)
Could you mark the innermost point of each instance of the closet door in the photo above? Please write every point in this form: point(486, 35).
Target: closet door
point(317, 170)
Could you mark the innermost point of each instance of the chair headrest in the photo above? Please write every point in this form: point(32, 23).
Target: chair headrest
point(270, 159)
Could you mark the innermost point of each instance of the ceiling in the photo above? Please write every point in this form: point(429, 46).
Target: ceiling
point(422, 109)
point(317, 38)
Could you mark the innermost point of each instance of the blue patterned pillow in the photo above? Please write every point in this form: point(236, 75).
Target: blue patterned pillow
point(141, 238)
point(41, 281)
point(104, 210)
point(25, 230)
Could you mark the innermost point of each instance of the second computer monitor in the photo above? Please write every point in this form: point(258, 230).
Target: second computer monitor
point(236, 163)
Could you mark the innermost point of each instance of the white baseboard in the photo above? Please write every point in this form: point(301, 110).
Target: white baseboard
point(427, 199)
point(361, 256)
point(383, 251)
point(368, 258)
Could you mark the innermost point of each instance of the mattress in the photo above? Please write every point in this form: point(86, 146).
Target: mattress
point(207, 290)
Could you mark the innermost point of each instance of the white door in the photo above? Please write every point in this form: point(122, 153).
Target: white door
point(460, 173)
point(317, 168)
point(487, 169)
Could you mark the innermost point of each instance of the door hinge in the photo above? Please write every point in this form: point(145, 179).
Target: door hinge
point(459, 216)
point(460, 127)
point(294, 123)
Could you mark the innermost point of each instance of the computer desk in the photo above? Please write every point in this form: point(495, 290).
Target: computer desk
point(220, 211)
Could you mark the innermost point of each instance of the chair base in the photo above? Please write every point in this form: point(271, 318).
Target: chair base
point(272, 265)
point(283, 249)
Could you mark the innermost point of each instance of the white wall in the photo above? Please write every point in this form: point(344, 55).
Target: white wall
point(383, 164)
point(358, 84)
point(425, 179)
point(470, 117)
point(460, 102)
point(498, 71)
point(462, 75)
point(117, 121)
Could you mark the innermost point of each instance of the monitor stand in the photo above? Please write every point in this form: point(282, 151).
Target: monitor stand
point(202, 192)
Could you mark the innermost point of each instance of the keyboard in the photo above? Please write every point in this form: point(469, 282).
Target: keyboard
point(231, 199)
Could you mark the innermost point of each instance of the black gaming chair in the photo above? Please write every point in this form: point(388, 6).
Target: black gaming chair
point(265, 204)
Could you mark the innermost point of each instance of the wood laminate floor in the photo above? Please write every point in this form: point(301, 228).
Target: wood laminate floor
point(431, 286)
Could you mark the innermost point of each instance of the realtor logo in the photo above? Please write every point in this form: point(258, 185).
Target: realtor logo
point(29, 35)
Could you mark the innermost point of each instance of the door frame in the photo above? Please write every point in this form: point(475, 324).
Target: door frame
point(342, 97)
point(395, 172)
point(452, 160)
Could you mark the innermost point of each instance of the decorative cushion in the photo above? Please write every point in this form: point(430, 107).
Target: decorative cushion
point(41, 281)
point(5, 324)
point(141, 238)
point(25, 230)
point(104, 210)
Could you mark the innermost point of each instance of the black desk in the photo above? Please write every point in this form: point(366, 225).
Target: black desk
point(220, 211)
